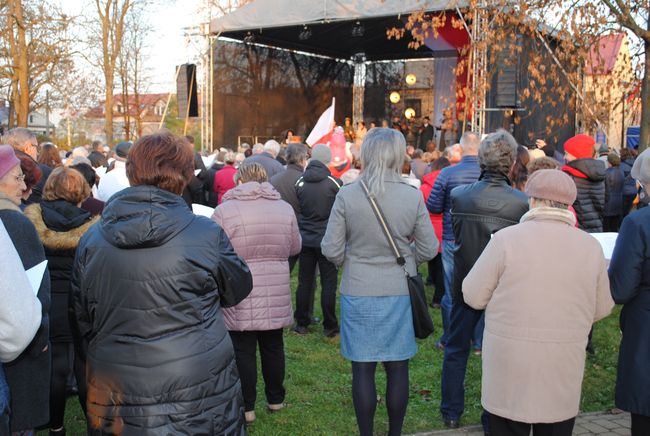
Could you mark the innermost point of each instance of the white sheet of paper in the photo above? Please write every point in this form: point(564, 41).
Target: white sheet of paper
point(35, 275)
point(209, 160)
point(202, 210)
point(607, 242)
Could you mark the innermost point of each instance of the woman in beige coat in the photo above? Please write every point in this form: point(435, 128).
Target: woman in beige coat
point(542, 283)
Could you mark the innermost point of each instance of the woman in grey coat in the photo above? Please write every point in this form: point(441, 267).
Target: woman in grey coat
point(376, 321)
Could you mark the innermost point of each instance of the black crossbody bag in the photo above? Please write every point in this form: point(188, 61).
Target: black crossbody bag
point(422, 323)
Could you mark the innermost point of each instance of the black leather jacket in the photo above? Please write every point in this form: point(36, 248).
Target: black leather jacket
point(479, 210)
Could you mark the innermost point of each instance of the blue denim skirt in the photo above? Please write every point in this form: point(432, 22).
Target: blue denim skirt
point(377, 329)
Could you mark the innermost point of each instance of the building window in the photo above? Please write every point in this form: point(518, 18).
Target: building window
point(31, 119)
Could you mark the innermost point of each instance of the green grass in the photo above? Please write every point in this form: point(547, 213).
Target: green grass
point(318, 385)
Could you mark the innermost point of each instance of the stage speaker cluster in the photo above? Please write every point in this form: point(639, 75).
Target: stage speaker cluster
point(186, 94)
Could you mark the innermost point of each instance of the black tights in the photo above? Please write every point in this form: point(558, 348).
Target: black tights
point(61, 363)
point(364, 394)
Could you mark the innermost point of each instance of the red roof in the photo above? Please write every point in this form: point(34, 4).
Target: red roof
point(147, 102)
point(603, 54)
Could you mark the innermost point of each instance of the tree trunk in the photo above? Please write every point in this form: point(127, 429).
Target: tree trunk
point(108, 108)
point(22, 66)
point(644, 138)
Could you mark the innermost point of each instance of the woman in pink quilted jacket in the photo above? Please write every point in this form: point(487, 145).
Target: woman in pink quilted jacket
point(263, 231)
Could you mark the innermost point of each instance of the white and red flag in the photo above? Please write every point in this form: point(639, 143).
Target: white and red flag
point(324, 127)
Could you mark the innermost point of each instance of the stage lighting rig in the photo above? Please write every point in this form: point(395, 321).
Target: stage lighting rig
point(358, 30)
point(304, 34)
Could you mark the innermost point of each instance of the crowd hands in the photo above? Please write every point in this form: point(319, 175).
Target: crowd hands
point(159, 312)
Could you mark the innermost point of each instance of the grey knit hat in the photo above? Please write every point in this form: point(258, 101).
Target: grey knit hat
point(552, 185)
point(641, 167)
point(321, 153)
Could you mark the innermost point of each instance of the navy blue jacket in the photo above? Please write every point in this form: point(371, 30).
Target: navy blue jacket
point(629, 276)
point(465, 172)
point(614, 180)
point(630, 184)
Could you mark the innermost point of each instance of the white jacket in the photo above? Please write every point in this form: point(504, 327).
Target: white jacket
point(20, 311)
point(113, 181)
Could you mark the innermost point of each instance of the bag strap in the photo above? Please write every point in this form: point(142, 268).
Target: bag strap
point(384, 226)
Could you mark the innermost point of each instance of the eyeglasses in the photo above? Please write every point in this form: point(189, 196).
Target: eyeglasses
point(20, 178)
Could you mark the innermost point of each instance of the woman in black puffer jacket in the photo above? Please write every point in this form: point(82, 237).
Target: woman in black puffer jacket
point(148, 285)
point(60, 223)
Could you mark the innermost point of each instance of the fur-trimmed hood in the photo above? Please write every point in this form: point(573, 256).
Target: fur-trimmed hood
point(52, 239)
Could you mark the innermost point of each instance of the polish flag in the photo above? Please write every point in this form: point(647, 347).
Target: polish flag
point(324, 127)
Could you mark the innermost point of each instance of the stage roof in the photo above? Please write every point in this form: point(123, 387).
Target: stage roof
point(279, 23)
point(268, 14)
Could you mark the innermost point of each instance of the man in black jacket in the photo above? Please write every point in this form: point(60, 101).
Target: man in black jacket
point(316, 191)
point(478, 210)
point(426, 134)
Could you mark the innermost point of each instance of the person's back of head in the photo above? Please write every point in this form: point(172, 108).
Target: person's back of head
point(406, 166)
point(251, 172)
point(470, 143)
point(272, 147)
point(79, 151)
point(382, 156)
point(229, 158)
point(67, 184)
point(613, 159)
point(626, 154)
point(497, 152)
point(454, 153)
point(542, 163)
point(49, 155)
point(417, 154)
point(296, 154)
point(87, 172)
point(258, 148)
point(440, 163)
point(21, 139)
point(97, 146)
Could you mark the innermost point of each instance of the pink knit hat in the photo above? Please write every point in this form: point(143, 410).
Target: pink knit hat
point(8, 159)
point(552, 185)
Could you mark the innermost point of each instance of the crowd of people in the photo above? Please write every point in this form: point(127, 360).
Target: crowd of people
point(153, 314)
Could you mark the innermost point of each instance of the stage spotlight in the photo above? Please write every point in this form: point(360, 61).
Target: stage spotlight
point(394, 97)
point(411, 79)
point(249, 38)
point(409, 113)
point(304, 34)
point(358, 30)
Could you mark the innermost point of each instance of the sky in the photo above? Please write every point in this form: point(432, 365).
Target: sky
point(167, 44)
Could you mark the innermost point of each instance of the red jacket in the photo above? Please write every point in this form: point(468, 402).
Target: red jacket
point(428, 180)
point(224, 181)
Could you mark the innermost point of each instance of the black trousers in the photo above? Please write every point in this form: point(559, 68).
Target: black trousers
point(612, 223)
point(271, 346)
point(507, 427)
point(437, 278)
point(309, 258)
point(293, 260)
point(640, 425)
point(64, 357)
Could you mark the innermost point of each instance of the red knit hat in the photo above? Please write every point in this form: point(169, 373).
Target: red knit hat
point(580, 146)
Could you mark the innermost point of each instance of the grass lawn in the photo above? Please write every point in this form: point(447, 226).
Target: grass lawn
point(318, 383)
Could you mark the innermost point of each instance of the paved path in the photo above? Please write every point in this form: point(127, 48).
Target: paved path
point(602, 424)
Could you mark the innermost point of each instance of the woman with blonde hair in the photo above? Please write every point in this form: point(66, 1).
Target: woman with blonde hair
point(264, 232)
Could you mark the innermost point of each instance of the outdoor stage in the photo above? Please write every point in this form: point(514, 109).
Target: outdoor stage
point(276, 71)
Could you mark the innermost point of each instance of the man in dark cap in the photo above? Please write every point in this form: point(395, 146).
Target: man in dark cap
point(115, 180)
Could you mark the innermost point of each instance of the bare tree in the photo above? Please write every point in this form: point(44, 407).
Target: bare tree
point(110, 23)
point(33, 37)
point(132, 72)
point(558, 50)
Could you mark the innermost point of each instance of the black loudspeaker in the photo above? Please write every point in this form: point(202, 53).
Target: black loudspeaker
point(186, 95)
